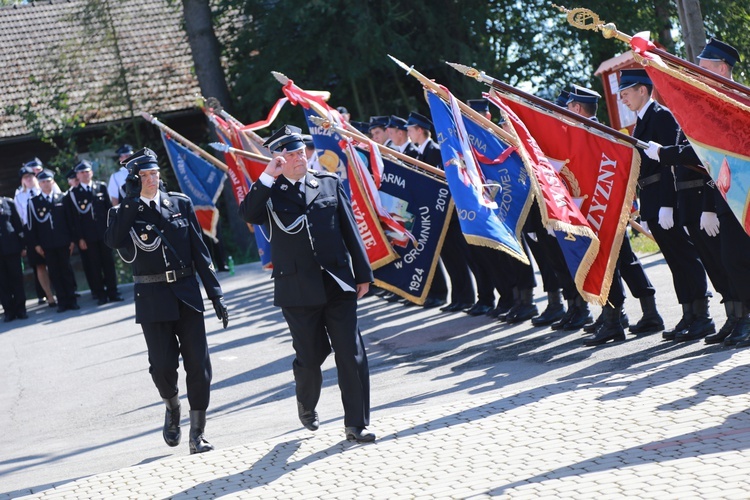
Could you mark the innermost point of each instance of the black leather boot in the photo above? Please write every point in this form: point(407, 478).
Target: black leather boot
point(501, 310)
point(741, 331)
point(554, 311)
point(611, 328)
point(581, 316)
point(171, 431)
point(682, 325)
point(734, 311)
point(651, 322)
point(560, 324)
point(593, 327)
point(525, 308)
point(702, 324)
point(198, 443)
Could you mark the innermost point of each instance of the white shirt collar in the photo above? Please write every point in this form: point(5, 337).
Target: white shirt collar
point(643, 110)
point(422, 146)
point(148, 201)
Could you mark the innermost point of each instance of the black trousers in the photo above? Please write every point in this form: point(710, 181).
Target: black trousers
point(735, 255)
point(630, 268)
point(484, 262)
point(688, 273)
point(709, 251)
point(101, 269)
point(12, 294)
point(315, 330)
point(455, 257)
point(166, 340)
point(61, 274)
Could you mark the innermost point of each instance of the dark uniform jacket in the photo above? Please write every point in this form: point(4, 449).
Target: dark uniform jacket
point(691, 184)
point(684, 154)
point(657, 125)
point(88, 210)
point(11, 228)
point(411, 150)
point(48, 224)
point(329, 240)
point(133, 232)
point(431, 155)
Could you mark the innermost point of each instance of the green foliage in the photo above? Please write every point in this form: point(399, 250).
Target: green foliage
point(729, 21)
point(341, 46)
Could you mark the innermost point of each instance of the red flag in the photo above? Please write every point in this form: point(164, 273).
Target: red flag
point(600, 174)
point(714, 119)
point(379, 250)
point(560, 213)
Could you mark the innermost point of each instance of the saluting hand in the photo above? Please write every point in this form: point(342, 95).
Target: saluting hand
point(276, 166)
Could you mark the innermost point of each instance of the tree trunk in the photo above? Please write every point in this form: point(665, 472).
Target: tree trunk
point(207, 60)
point(664, 13)
point(691, 23)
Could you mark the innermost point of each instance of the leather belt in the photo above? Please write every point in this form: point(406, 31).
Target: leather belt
point(690, 184)
point(649, 180)
point(169, 276)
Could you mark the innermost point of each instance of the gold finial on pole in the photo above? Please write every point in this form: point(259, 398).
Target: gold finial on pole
point(586, 19)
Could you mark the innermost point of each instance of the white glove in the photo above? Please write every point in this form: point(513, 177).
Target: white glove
point(710, 223)
point(652, 151)
point(644, 225)
point(666, 218)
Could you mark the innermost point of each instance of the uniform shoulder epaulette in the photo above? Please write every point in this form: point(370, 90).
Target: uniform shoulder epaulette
point(178, 194)
point(318, 173)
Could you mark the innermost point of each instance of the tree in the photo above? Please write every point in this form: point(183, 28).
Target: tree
point(206, 52)
point(691, 23)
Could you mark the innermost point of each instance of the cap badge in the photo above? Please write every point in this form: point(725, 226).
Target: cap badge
point(287, 131)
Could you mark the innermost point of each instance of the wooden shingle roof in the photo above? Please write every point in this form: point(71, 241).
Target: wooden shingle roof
point(88, 50)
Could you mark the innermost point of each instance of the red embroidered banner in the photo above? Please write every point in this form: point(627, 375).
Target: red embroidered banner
point(600, 174)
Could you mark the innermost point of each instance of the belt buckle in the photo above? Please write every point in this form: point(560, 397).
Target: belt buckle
point(171, 276)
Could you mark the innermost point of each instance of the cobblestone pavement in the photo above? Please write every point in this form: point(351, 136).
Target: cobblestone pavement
point(643, 422)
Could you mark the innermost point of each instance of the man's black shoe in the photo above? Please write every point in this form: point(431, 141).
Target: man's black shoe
point(22, 315)
point(116, 298)
point(359, 434)
point(8, 318)
point(456, 307)
point(432, 303)
point(102, 301)
point(74, 307)
point(479, 309)
point(309, 418)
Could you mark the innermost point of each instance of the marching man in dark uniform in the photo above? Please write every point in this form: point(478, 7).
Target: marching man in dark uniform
point(50, 236)
point(88, 204)
point(12, 294)
point(158, 233)
point(320, 269)
point(658, 199)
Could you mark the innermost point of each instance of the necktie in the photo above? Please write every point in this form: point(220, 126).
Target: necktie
point(152, 204)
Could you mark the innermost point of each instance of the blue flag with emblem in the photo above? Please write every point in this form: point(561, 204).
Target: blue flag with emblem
point(421, 203)
point(330, 155)
point(488, 180)
point(199, 180)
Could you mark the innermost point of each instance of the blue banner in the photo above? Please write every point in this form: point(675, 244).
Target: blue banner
point(330, 155)
point(199, 180)
point(421, 202)
point(492, 202)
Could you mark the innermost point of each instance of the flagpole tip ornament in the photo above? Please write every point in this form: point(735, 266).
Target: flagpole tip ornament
point(219, 146)
point(281, 77)
point(402, 65)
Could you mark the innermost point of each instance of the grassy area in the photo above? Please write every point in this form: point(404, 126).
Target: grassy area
point(643, 244)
